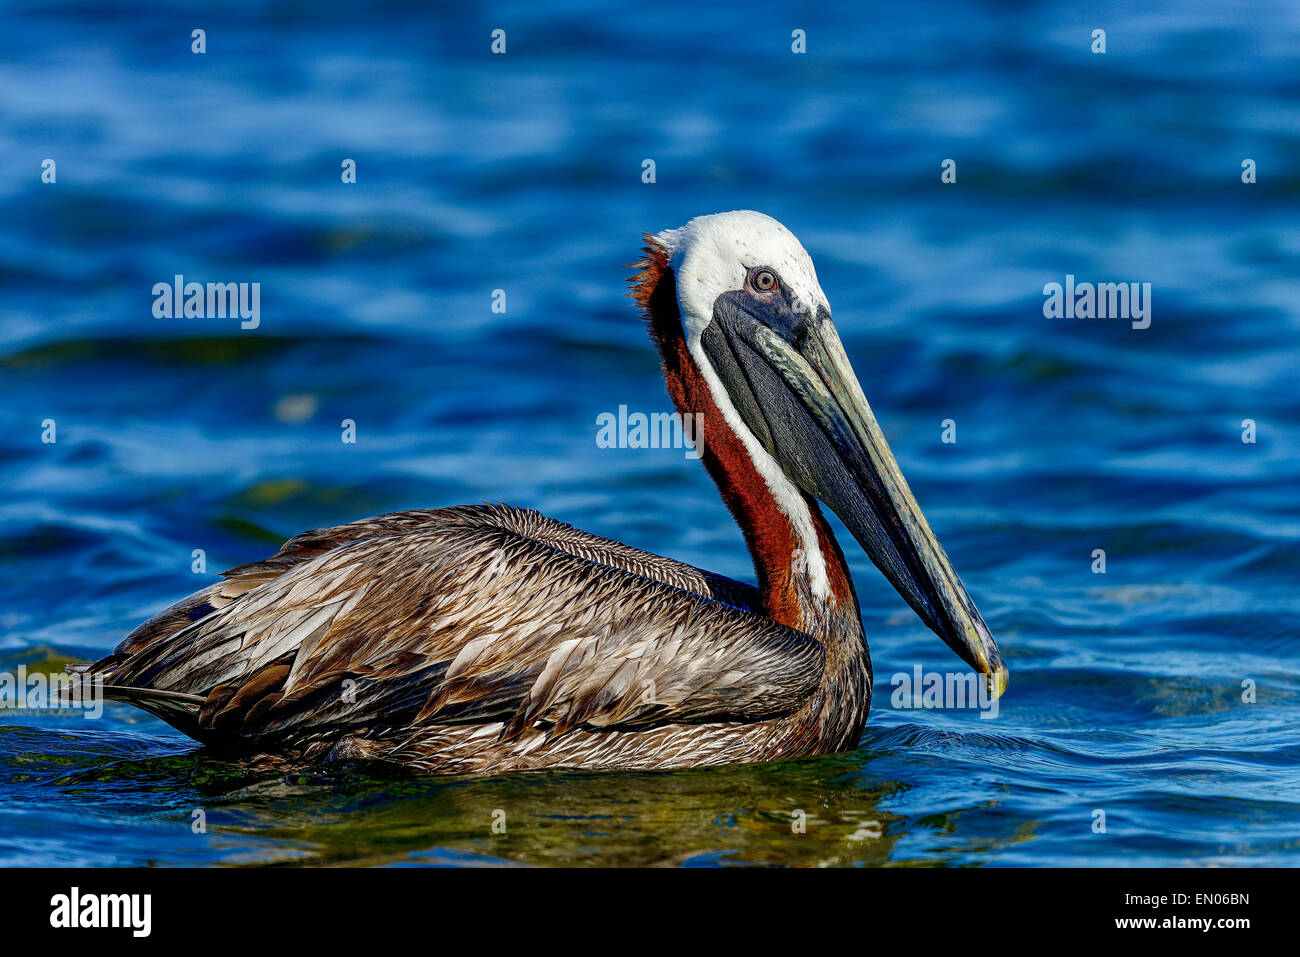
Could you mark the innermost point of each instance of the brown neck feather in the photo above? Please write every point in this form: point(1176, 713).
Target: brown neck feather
point(773, 543)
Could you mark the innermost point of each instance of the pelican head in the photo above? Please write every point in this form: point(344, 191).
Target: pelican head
point(758, 327)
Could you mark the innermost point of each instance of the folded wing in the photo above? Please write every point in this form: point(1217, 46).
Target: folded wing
point(463, 616)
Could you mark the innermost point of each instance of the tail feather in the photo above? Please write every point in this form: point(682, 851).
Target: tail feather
point(136, 695)
point(179, 710)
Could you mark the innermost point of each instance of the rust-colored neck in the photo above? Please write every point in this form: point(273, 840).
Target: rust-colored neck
point(774, 544)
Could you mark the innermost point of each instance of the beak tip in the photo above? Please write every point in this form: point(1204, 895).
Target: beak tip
point(997, 680)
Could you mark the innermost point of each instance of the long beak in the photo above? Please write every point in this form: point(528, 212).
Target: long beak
point(799, 395)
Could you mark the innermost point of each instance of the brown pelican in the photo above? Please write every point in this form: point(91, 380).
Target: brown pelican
point(490, 639)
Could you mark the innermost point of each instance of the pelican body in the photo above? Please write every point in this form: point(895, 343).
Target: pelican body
point(489, 639)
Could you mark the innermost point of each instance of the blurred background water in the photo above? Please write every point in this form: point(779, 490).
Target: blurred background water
point(522, 172)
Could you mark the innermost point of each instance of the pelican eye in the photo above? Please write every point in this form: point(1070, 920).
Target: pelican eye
point(764, 280)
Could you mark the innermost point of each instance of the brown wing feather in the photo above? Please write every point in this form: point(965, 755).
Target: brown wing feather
point(470, 615)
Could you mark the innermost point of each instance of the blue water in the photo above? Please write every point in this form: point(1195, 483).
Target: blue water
point(522, 173)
